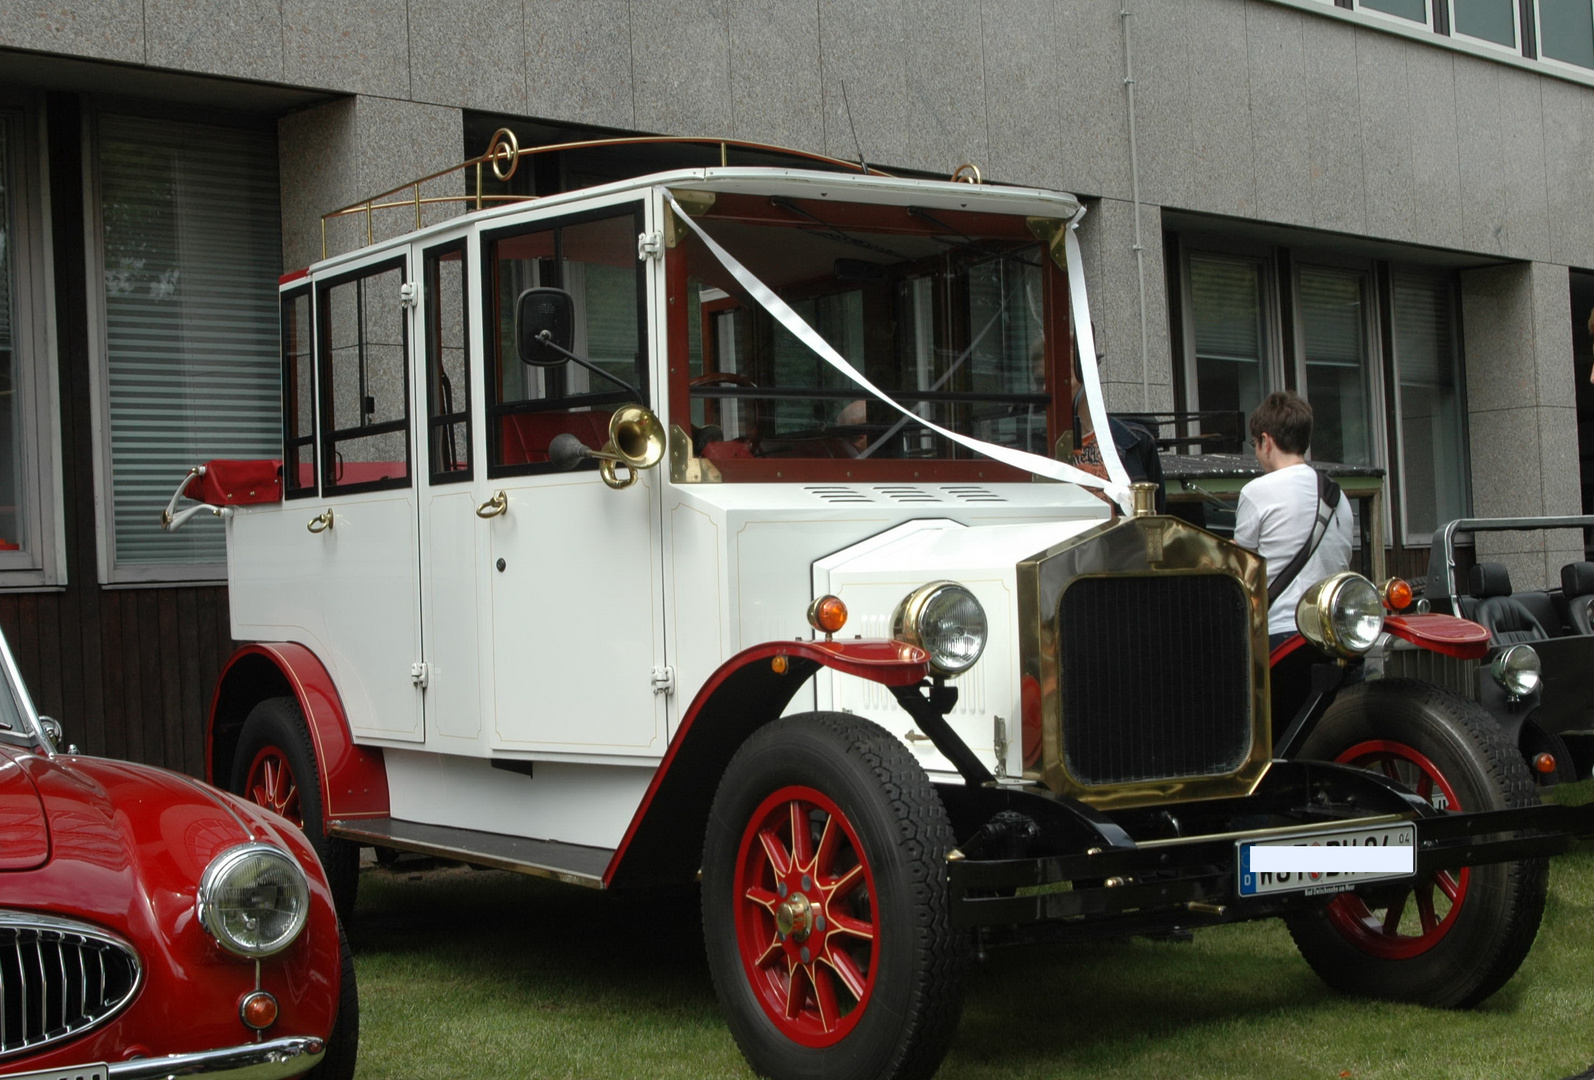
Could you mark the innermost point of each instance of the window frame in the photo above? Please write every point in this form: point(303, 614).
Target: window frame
point(1552, 62)
point(303, 288)
point(492, 409)
point(1274, 363)
point(41, 562)
point(1361, 8)
point(327, 437)
point(464, 401)
point(1372, 344)
point(1514, 49)
point(1397, 461)
point(136, 575)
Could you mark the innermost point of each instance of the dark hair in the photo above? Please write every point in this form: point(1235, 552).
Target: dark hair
point(1287, 417)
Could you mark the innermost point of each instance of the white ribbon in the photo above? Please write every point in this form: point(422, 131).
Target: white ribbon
point(1116, 487)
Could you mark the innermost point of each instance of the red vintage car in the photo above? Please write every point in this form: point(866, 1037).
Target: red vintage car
point(152, 926)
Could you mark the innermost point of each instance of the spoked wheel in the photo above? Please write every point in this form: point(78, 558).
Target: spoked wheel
point(806, 916)
point(275, 767)
point(1411, 920)
point(1450, 938)
point(825, 910)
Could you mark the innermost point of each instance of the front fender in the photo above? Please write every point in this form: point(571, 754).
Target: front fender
point(664, 842)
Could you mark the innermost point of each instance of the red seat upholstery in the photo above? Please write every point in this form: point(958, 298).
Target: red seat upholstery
point(524, 437)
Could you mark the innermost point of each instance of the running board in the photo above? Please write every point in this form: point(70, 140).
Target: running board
point(574, 864)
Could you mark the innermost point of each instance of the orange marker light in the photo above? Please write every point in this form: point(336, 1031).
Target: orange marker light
point(1544, 763)
point(777, 664)
point(1397, 594)
point(827, 614)
point(259, 1010)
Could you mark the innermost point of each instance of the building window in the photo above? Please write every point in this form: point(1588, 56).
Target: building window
point(190, 250)
point(1229, 365)
point(1494, 21)
point(28, 529)
point(1335, 376)
point(1428, 392)
point(1566, 32)
point(1416, 11)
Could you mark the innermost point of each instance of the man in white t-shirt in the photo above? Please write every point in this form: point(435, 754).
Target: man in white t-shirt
point(1278, 509)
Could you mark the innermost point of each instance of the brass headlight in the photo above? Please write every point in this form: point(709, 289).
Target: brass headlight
point(945, 620)
point(1342, 615)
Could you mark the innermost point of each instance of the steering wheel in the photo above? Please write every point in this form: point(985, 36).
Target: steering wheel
point(734, 378)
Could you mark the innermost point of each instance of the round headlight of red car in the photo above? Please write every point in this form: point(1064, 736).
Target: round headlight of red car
point(254, 899)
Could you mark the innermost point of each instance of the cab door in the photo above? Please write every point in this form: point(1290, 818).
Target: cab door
point(573, 567)
point(360, 540)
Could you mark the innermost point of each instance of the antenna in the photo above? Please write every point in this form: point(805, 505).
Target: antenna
point(844, 104)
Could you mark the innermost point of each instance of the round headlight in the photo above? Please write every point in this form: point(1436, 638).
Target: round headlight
point(1516, 669)
point(946, 621)
point(254, 899)
point(1342, 615)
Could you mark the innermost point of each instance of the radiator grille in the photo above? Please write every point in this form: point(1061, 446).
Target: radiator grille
point(1452, 673)
point(1156, 678)
point(58, 979)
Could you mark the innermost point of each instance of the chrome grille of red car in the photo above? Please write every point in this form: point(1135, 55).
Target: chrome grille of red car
point(58, 979)
point(1156, 677)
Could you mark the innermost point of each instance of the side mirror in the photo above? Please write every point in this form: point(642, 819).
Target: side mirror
point(53, 732)
point(545, 321)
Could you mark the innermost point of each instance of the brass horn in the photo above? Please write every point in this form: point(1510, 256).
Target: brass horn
point(636, 440)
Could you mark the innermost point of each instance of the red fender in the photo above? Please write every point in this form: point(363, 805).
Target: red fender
point(664, 842)
point(1444, 634)
point(353, 778)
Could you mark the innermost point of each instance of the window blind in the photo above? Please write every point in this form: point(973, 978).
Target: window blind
point(190, 228)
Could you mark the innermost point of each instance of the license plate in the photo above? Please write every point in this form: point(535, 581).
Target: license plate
point(76, 1072)
point(1255, 882)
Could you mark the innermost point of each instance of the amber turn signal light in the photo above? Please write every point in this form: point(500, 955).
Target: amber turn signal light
point(1397, 594)
point(827, 614)
point(1544, 763)
point(258, 1010)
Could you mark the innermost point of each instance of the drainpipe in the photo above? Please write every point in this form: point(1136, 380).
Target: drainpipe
point(1134, 195)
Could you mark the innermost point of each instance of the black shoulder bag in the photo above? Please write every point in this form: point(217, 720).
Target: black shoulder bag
point(1328, 494)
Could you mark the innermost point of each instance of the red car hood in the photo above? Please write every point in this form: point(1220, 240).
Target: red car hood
point(24, 836)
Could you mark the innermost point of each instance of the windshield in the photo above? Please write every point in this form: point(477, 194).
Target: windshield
point(946, 311)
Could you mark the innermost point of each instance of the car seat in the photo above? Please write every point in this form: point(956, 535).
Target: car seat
point(1506, 618)
point(1577, 585)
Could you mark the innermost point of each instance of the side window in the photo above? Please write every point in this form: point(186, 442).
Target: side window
point(364, 381)
point(594, 258)
point(447, 369)
point(298, 396)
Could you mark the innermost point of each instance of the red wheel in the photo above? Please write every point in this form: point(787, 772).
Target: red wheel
point(1453, 938)
point(806, 919)
point(825, 911)
point(1413, 921)
point(271, 783)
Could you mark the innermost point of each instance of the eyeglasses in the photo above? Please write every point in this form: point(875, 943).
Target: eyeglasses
point(1256, 442)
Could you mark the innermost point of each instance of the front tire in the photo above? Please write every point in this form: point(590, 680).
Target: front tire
point(343, 1046)
point(825, 907)
point(1454, 937)
point(275, 767)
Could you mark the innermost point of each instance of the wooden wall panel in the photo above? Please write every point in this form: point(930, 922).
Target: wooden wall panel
point(162, 652)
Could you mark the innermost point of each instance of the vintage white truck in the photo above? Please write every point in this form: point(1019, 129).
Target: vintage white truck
point(709, 523)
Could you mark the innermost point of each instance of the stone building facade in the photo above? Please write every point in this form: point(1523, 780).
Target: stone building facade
point(1382, 203)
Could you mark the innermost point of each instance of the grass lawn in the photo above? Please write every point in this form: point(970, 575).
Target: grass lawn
point(469, 974)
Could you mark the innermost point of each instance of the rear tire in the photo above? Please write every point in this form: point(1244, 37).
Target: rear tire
point(826, 825)
point(1455, 937)
point(275, 767)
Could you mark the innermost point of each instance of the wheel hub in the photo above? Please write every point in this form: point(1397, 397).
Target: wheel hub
point(794, 917)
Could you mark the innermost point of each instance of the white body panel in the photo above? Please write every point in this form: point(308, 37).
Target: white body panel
point(555, 659)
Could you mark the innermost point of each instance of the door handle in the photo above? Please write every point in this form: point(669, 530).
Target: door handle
point(494, 506)
point(321, 522)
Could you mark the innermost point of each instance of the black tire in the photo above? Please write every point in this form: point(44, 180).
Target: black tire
point(343, 1046)
point(1478, 923)
point(886, 827)
point(275, 731)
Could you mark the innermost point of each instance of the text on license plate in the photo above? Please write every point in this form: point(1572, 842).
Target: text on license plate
point(1257, 880)
point(75, 1072)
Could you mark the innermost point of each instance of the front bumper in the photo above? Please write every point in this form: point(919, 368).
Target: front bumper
point(278, 1059)
point(1128, 879)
